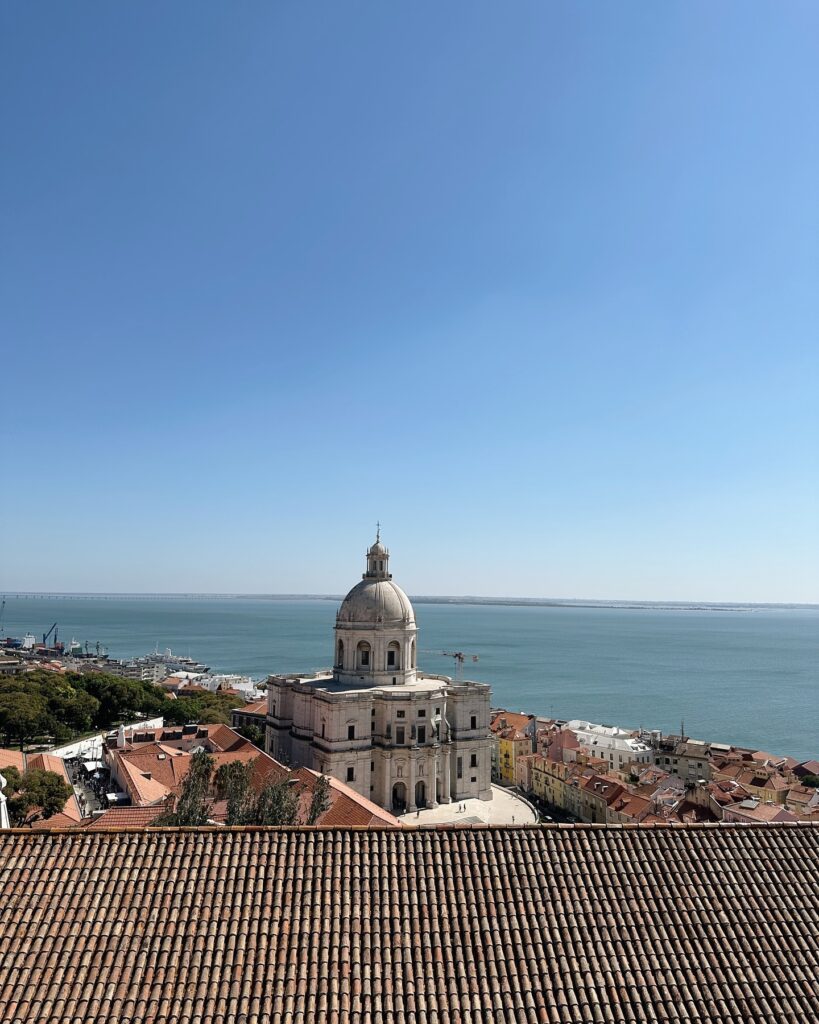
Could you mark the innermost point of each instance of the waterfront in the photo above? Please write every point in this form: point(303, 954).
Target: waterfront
point(748, 677)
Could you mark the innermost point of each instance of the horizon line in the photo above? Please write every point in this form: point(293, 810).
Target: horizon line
point(420, 598)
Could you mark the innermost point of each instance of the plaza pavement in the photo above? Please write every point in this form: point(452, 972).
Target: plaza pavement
point(503, 809)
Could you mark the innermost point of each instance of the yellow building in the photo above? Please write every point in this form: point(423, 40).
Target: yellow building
point(512, 737)
point(549, 780)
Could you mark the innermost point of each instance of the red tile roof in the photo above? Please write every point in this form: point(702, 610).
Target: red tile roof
point(12, 759)
point(123, 817)
point(256, 707)
point(504, 721)
point(411, 926)
point(347, 808)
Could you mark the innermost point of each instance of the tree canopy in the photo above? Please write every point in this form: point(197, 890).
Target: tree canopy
point(276, 803)
point(191, 807)
point(59, 706)
point(34, 795)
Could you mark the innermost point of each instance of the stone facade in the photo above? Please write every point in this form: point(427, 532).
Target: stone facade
point(402, 738)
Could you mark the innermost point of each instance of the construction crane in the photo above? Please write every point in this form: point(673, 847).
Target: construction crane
point(459, 656)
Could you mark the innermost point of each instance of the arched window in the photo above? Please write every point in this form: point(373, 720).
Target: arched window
point(340, 654)
point(363, 655)
point(412, 654)
point(394, 655)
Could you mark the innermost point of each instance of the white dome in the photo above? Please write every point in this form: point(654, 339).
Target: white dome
point(376, 602)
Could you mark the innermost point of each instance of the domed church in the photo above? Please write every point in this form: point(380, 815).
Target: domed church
point(402, 738)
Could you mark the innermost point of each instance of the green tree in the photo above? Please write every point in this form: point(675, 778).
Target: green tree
point(23, 716)
point(320, 801)
point(191, 808)
point(254, 734)
point(233, 783)
point(278, 803)
point(181, 711)
point(36, 795)
point(212, 716)
point(79, 712)
point(13, 778)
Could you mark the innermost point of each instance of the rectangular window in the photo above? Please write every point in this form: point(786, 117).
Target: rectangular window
point(422, 713)
point(473, 722)
point(351, 774)
point(473, 761)
point(350, 732)
point(437, 711)
point(372, 766)
point(422, 734)
point(390, 659)
point(459, 771)
point(365, 657)
point(399, 734)
point(400, 714)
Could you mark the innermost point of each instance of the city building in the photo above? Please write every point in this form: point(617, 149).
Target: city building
point(618, 747)
point(253, 715)
point(11, 666)
point(689, 759)
point(513, 736)
point(151, 766)
point(597, 794)
point(375, 721)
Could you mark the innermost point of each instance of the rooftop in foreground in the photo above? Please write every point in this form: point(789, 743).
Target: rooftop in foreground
point(543, 925)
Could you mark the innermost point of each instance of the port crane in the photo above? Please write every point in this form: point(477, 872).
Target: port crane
point(48, 634)
point(459, 656)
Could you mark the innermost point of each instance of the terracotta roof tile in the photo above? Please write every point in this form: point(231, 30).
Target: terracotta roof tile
point(625, 925)
point(255, 707)
point(123, 817)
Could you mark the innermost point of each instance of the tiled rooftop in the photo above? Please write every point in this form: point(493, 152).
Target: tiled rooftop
point(621, 924)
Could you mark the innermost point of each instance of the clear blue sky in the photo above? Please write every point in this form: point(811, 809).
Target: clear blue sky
point(535, 284)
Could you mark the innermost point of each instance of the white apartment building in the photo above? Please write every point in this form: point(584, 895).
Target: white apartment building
point(617, 746)
point(404, 739)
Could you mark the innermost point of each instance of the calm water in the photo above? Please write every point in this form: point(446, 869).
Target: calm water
point(748, 677)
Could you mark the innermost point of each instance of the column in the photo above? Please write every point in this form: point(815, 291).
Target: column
point(411, 784)
point(446, 795)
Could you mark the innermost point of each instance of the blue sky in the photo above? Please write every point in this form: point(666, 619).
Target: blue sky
point(534, 284)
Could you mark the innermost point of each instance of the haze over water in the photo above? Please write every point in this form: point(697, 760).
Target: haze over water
point(743, 676)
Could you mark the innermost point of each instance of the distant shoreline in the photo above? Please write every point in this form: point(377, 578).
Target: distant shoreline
point(517, 602)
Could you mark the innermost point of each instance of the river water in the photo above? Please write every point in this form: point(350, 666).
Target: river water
point(748, 676)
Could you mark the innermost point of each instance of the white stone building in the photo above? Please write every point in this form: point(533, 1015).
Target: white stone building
point(617, 746)
point(404, 739)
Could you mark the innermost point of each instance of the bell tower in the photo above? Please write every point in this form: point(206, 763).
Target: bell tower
point(378, 560)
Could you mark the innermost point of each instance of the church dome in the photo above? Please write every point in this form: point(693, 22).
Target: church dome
point(376, 602)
